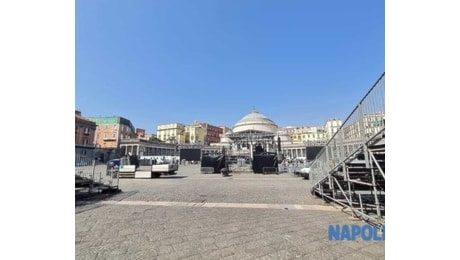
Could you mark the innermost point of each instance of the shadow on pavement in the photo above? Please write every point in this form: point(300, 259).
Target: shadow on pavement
point(172, 177)
point(88, 201)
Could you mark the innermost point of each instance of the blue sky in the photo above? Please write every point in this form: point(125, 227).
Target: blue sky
point(156, 62)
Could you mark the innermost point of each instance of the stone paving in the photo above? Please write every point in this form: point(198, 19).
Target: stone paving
point(206, 216)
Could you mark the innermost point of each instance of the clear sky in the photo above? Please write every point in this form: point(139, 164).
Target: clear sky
point(156, 62)
point(320, 60)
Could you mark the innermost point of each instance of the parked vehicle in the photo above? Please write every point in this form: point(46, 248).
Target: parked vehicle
point(304, 172)
point(114, 163)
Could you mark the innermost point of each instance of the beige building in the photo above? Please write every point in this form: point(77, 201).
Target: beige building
point(372, 124)
point(332, 126)
point(195, 134)
point(312, 134)
point(171, 133)
point(308, 134)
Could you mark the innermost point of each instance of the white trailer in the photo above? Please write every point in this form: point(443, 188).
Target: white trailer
point(155, 171)
point(164, 169)
point(148, 168)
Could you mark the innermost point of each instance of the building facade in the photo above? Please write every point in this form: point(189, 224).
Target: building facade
point(212, 133)
point(308, 134)
point(225, 129)
point(195, 134)
point(332, 126)
point(140, 133)
point(171, 133)
point(84, 137)
point(111, 130)
point(367, 127)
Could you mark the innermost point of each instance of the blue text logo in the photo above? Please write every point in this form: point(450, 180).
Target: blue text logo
point(351, 232)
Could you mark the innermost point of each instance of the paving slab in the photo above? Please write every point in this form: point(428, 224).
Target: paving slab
point(193, 215)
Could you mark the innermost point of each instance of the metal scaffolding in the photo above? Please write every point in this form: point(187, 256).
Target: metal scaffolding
point(350, 169)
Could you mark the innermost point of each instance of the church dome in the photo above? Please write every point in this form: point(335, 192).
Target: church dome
point(255, 122)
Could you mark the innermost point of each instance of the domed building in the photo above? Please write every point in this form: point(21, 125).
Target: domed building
point(255, 122)
point(253, 131)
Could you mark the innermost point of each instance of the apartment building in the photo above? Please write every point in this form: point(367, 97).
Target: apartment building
point(308, 134)
point(84, 136)
point(195, 134)
point(332, 126)
point(110, 130)
point(370, 125)
point(171, 133)
point(213, 133)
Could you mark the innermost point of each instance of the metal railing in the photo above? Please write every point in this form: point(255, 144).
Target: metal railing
point(365, 121)
point(347, 171)
point(94, 174)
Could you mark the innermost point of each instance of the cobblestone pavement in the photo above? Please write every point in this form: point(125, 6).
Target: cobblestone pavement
point(206, 216)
